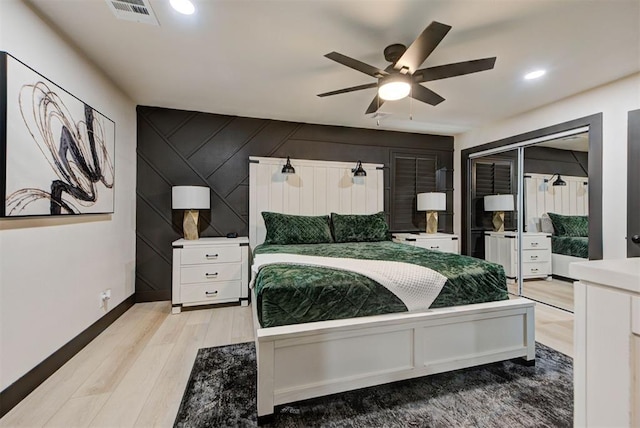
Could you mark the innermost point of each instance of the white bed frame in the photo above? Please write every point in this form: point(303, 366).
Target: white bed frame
point(560, 264)
point(297, 362)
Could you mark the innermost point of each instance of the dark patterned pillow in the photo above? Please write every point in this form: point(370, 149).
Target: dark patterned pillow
point(284, 229)
point(570, 225)
point(360, 228)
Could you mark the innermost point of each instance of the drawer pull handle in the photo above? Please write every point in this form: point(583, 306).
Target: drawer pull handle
point(211, 293)
point(211, 275)
point(534, 257)
point(211, 256)
point(435, 248)
point(534, 244)
point(534, 270)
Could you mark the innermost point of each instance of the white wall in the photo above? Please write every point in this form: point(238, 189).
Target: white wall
point(52, 270)
point(614, 101)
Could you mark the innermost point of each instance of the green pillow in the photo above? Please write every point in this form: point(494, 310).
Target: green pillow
point(360, 228)
point(284, 229)
point(570, 225)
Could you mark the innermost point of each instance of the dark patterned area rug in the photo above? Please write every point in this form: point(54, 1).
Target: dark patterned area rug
point(221, 393)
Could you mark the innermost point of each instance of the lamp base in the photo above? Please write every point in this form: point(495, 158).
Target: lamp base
point(498, 221)
point(190, 224)
point(432, 222)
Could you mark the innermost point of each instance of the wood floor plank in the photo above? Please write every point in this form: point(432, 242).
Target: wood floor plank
point(78, 412)
point(37, 408)
point(161, 406)
point(122, 356)
point(127, 399)
point(219, 332)
point(242, 325)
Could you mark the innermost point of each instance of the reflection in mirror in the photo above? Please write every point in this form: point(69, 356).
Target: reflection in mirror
point(495, 174)
point(494, 213)
point(556, 203)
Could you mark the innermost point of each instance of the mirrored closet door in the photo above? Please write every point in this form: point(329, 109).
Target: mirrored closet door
point(528, 208)
point(556, 203)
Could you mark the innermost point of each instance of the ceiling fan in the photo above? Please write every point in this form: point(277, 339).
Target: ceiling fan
point(402, 78)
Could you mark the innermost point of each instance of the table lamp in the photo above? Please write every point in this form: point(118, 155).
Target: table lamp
point(498, 204)
point(432, 203)
point(191, 199)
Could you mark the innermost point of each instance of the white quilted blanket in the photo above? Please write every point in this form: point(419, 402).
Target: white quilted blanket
point(415, 285)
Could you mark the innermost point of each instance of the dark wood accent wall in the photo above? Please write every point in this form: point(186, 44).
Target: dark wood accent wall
point(177, 147)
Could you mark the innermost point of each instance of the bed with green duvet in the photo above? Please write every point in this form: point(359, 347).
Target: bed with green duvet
point(292, 294)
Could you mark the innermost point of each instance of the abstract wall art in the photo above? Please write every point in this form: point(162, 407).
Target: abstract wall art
point(56, 152)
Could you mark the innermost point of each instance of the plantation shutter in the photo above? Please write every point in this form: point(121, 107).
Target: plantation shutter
point(491, 178)
point(412, 174)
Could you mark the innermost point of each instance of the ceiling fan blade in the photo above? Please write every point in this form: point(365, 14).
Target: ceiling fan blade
point(452, 70)
point(422, 47)
point(356, 65)
point(420, 93)
point(351, 89)
point(375, 105)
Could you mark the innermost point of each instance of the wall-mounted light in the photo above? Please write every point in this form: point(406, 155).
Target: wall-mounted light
point(498, 204)
point(432, 202)
point(288, 168)
point(559, 181)
point(190, 199)
point(358, 171)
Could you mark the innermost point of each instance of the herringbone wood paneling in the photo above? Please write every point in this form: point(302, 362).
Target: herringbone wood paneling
point(178, 147)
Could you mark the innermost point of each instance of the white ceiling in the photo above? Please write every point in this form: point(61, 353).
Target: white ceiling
point(264, 58)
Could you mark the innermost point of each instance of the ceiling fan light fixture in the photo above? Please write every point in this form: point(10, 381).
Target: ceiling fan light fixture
point(185, 7)
point(394, 87)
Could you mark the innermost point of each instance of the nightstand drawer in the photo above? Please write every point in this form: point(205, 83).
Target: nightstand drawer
point(194, 256)
point(535, 242)
point(209, 292)
point(536, 269)
point(211, 273)
point(536, 256)
point(445, 245)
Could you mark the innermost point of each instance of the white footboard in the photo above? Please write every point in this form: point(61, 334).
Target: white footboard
point(310, 360)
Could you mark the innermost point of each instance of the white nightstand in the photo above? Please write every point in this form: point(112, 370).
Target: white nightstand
point(210, 270)
point(502, 248)
point(443, 242)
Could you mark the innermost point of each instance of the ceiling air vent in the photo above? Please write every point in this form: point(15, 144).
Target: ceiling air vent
point(133, 10)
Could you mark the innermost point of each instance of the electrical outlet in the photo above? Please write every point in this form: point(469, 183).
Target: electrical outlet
point(104, 297)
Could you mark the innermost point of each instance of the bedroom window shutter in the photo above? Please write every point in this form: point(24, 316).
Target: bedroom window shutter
point(411, 175)
point(491, 178)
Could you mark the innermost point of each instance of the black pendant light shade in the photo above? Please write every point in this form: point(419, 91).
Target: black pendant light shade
point(558, 182)
point(358, 171)
point(288, 168)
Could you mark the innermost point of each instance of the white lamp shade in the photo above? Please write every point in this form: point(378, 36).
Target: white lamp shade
point(498, 203)
point(432, 201)
point(190, 198)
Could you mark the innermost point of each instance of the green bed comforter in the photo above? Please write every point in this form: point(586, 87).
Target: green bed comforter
point(289, 294)
point(576, 246)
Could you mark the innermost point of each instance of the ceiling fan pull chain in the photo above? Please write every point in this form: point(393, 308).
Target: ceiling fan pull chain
point(411, 104)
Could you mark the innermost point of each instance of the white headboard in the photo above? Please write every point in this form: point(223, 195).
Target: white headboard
point(317, 188)
point(541, 197)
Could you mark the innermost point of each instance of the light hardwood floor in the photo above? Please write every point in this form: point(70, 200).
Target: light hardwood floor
point(555, 292)
point(135, 372)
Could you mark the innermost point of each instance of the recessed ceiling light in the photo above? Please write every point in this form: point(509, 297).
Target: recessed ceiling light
point(535, 74)
point(183, 6)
